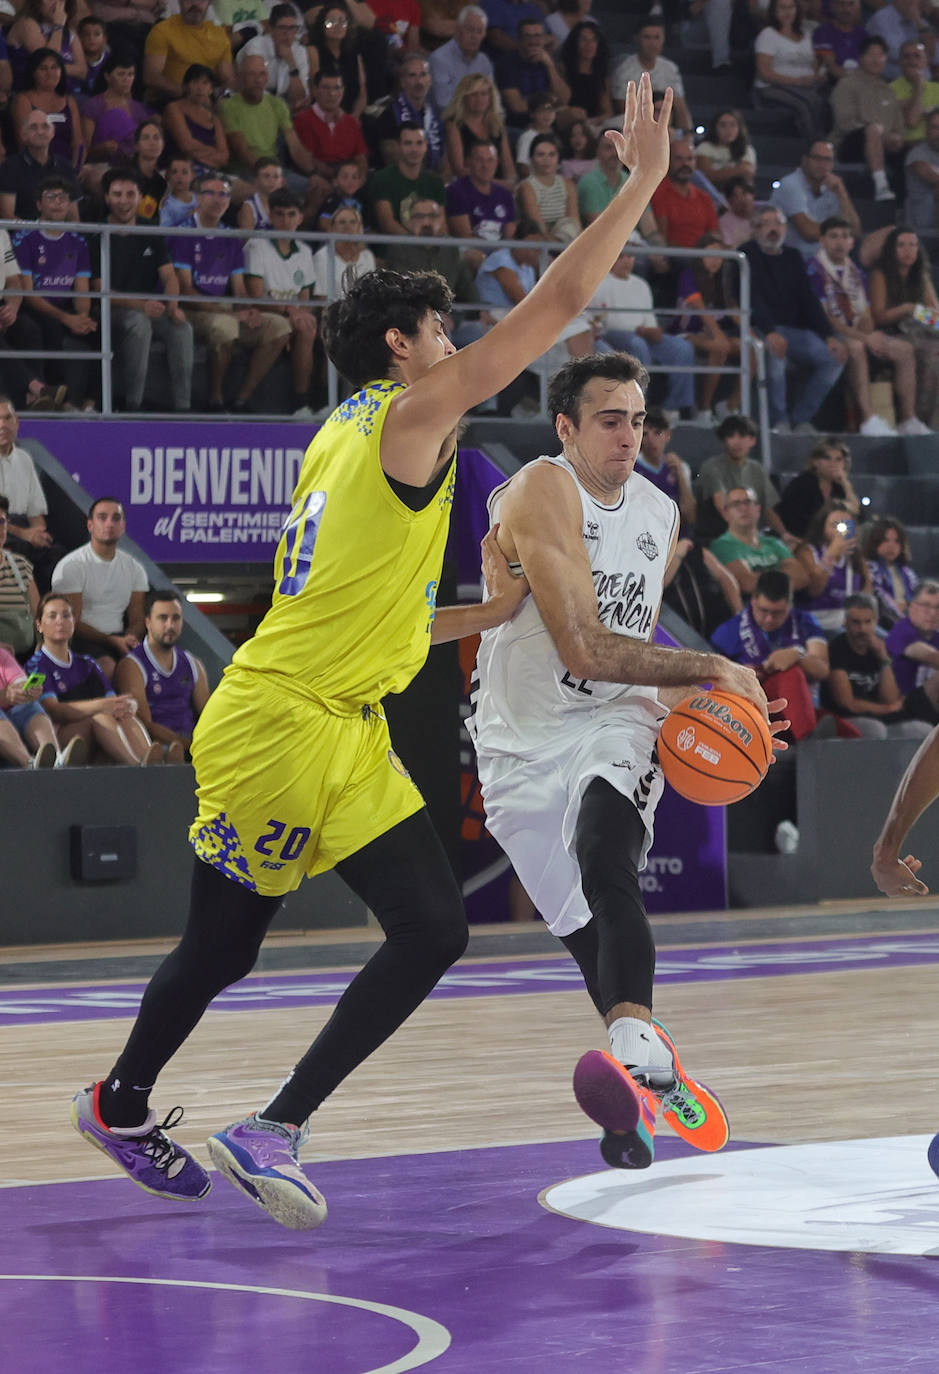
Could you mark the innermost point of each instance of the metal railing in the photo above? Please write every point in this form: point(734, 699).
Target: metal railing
point(107, 298)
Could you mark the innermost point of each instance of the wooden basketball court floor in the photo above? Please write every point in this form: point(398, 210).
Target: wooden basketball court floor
point(473, 1226)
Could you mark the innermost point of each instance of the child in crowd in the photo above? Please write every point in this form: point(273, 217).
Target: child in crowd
point(347, 191)
point(93, 38)
point(179, 203)
point(255, 212)
point(580, 151)
point(542, 112)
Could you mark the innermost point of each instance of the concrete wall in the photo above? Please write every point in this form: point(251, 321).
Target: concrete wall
point(844, 789)
point(40, 902)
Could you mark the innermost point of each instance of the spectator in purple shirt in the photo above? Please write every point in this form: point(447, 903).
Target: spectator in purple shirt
point(213, 267)
point(476, 206)
point(168, 683)
point(59, 261)
point(77, 696)
point(913, 646)
point(837, 42)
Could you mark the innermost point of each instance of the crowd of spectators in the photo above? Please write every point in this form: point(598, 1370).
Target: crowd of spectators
point(494, 113)
point(89, 670)
point(483, 122)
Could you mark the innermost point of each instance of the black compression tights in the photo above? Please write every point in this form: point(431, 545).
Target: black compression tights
point(615, 951)
point(404, 878)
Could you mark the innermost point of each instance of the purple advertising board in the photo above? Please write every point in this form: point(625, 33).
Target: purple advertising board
point(209, 492)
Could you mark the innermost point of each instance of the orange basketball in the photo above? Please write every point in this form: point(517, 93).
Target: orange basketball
point(715, 748)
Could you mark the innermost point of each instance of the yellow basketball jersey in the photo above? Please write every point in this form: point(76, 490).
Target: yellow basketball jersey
point(356, 571)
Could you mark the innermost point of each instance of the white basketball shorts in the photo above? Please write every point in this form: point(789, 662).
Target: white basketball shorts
point(532, 808)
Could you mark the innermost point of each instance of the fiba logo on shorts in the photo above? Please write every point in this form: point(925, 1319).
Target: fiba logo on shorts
point(685, 738)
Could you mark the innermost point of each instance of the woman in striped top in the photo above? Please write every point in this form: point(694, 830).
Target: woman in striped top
point(547, 198)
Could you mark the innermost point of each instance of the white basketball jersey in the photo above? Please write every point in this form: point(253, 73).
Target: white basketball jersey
point(524, 701)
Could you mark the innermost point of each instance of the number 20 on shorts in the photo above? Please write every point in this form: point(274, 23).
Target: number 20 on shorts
point(292, 846)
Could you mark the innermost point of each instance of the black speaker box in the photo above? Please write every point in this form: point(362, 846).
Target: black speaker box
point(103, 852)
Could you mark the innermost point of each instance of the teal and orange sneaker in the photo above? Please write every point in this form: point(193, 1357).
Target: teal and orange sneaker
point(626, 1109)
point(691, 1109)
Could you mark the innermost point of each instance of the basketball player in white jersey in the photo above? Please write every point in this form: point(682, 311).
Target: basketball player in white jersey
point(566, 715)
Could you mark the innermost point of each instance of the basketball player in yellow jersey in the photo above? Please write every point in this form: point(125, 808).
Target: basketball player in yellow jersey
point(293, 760)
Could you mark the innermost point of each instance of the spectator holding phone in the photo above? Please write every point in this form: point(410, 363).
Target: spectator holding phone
point(27, 739)
point(78, 697)
point(833, 565)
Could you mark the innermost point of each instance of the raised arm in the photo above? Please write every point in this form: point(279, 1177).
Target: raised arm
point(421, 417)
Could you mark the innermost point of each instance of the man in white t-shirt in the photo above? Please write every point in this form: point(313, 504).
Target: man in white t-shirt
point(650, 40)
point(284, 269)
point(105, 588)
point(624, 322)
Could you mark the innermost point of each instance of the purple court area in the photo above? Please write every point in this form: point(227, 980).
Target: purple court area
point(450, 1264)
point(97, 1001)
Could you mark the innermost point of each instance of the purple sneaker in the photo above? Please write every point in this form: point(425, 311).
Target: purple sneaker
point(261, 1158)
point(149, 1158)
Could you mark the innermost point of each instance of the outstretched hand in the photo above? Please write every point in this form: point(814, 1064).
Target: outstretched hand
point(897, 877)
point(644, 143)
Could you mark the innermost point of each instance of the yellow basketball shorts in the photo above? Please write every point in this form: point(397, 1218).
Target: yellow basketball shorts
point(286, 788)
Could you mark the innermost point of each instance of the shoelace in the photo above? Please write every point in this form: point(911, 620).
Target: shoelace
point(294, 1137)
point(679, 1101)
point(159, 1147)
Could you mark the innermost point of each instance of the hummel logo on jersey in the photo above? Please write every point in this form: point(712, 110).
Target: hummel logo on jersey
point(592, 531)
point(647, 545)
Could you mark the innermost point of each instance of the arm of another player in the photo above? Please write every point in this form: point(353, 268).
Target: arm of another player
point(432, 406)
point(507, 591)
point(918, 789)
point(541, 527)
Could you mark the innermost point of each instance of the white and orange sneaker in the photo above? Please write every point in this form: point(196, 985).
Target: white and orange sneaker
point(691, 1109)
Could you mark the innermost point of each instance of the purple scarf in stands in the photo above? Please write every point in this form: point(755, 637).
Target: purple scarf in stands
point(755, 642)
point(405, 113)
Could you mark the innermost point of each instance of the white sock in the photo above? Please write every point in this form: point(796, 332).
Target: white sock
point(880, 180)
point(636, 1044)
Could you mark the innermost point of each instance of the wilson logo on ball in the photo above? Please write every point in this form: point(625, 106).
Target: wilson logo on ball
point(714, 747)
point(720, 712)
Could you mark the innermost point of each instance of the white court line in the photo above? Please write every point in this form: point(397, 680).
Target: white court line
point(432, 1338)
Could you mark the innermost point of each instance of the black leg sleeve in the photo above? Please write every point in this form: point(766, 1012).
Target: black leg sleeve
point(405, 879)
point(220, 944)
point(609, 840)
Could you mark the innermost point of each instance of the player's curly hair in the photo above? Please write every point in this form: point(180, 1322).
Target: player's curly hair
point(567, 386)
point(355, 326)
